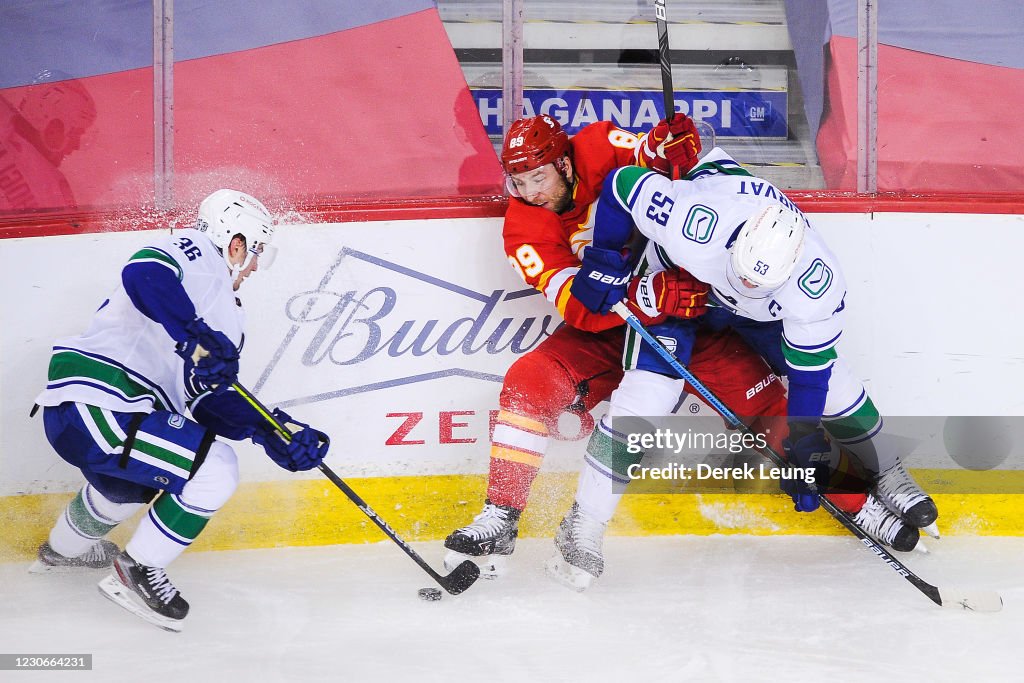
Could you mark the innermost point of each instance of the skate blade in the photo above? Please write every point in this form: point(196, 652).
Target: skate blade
point(115, 591)
point(566, 574)
point(491, 566)
point(39, 567)
point(932, 529)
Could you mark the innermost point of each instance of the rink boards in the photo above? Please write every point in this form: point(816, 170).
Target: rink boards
point(394, 337)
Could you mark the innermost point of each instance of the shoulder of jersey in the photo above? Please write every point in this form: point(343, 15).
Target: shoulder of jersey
point(817, 277)
point(597, 131)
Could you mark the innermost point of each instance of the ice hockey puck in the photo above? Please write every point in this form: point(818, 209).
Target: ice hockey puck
point(430, 594)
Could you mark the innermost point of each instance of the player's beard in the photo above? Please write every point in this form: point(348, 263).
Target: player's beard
point(562, 200)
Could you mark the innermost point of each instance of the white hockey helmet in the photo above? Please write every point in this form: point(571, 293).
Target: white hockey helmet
point(768, 246)
point(227, 213)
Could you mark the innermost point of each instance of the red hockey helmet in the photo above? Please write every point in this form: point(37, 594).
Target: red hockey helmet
point(532, 143)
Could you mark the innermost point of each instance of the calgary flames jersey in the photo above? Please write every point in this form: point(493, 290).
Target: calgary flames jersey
point(545, 247)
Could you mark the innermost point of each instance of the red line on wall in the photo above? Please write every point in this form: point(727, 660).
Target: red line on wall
point(47, 224)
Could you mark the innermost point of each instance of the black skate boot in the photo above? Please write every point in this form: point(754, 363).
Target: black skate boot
point(902, 495)
point(885, 526)
point(580, 559)
point(487, 541)
point(100, 556)
point(145, 592)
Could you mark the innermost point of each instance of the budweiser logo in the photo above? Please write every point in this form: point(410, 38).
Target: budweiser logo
point(391, 316)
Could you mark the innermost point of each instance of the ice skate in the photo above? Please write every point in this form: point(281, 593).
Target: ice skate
point(145, 592)
point(902, 495)
point(579, 559)
point(885, 526)
point(100, 556)
point(487, 541)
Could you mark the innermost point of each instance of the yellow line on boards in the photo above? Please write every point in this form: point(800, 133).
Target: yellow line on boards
point(305, 512)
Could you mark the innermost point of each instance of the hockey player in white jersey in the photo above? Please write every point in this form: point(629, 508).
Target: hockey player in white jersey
point(778, 285)
point(167, 341)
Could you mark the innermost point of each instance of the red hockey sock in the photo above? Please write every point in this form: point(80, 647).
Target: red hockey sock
point(517, 450)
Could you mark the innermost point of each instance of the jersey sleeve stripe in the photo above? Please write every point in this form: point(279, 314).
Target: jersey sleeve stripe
point(850, 408)
point(622, 182)
point(557, 282)
point(812, 348)
point(809, 362)
point(627, 183)
point(563, 296)
point(542, 282)
point(724, 167)
point(154, 255)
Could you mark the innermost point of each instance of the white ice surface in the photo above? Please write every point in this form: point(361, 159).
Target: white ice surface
point(718, 608)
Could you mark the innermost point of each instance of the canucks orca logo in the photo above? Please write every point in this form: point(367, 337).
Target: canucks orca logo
point(816, 279)
point(700, 224)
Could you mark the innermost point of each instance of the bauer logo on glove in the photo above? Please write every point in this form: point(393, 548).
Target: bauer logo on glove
point(656, 297)
point(602, 279)
point(608, 279)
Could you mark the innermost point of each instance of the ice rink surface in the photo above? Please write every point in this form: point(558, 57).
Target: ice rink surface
point(697, 608)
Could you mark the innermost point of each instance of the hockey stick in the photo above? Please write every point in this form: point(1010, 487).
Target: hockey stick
point(667, 91)
point(460, 578)
point(975, 601)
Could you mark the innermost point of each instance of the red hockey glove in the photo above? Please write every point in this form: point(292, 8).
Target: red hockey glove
point(671, 145)
point(671, 293)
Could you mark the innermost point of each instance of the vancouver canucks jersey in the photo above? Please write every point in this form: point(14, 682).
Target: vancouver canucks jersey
point(693, 222)
point(126, 361)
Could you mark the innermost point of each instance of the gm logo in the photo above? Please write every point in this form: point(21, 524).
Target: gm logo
point(816, 279)
point(176, 421)
point(700, 224)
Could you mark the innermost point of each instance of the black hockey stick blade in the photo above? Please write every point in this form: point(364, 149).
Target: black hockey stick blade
point(460, 578)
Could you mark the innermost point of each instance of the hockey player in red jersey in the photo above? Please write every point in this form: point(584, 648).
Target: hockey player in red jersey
point(555, 182)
